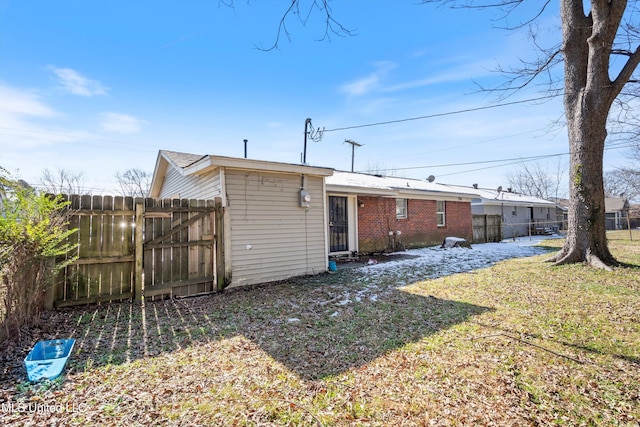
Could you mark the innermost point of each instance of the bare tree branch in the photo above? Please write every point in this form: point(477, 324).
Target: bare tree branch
point(134, 182)
point(622, 182)
point(536, 179)
point(331, 25)
point(62, 181)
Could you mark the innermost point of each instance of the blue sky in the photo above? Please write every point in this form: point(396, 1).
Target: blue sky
point(99, 87)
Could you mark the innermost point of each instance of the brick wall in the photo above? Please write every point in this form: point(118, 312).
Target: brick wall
point(377, 217)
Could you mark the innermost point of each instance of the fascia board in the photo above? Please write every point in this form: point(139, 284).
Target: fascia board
point(494, 202)
point(159, 173)
point(435, 195)
point(361, 191)
point(212, 162)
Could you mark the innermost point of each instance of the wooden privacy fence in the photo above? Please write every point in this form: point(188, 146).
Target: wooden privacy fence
point(135, 248)
point(487, 228)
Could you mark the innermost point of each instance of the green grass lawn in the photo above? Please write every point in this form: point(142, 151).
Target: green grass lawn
point(519, 343)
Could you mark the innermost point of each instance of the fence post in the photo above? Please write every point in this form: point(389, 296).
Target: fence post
point(138, 293)
point(221, 280)
point(50, 290)
point(486, 228)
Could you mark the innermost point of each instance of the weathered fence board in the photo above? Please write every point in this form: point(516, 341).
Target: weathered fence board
point(140, 248)
point(104, 267)
point(487, 228)
point(178, 247)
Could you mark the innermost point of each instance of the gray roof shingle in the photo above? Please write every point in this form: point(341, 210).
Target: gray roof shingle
point(182, 160)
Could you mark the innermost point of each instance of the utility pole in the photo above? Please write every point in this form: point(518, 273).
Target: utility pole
point(353, 150)
point(245, 148)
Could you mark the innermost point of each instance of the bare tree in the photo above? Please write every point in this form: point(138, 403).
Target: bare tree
point(540, 180)
point(622, 182)
point(595, 34)
point(591, 43)
point(62, 181)
point(134, 182)
point(380, 169)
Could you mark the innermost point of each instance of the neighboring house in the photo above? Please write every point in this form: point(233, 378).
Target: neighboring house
point(274, 213)
point(634, 216)
point(616, 213)
point(562, 215)
point(521, 215)
point(372, 213)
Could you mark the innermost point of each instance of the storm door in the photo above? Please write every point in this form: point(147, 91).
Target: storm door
point(338, 224)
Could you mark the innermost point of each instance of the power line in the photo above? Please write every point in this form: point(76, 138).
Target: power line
point(449, 113)
point(483, 162)
point(457, 147)
point(511, 161)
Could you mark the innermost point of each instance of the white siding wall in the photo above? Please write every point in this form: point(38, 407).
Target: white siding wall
point(176, 186)
point(543, 214)
point(478, 210)
point(512, 225)
point(272, 237)
point(518, 224)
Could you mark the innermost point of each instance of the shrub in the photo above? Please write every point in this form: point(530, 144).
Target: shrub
point(34, 244)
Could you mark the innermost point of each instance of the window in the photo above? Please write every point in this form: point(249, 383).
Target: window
point(440, 208)
point(514, 211)
point(401, 208)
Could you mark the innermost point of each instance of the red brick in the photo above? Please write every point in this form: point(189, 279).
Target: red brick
point(377, 217)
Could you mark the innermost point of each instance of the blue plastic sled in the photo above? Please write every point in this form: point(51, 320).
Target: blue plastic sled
point(47, 359)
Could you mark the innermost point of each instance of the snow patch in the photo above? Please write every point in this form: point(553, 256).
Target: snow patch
point(434, 262)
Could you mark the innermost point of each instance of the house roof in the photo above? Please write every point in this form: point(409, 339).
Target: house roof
point(488, 196)
point(181, 160)
point(366, 184)
point(197, 164)
point(615, 204)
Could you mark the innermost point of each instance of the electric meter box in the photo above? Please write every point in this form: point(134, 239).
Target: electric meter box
point(305, 199)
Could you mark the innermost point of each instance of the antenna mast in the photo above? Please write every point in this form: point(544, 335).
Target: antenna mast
point(306, 132)
point(314, 134)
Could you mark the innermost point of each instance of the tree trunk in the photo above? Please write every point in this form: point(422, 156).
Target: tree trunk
point(586, 235)
point(588, 95)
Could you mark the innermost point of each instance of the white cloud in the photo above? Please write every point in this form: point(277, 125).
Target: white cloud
point(77, 84)
point(362, 86)
point(20, 113)
point(120, 123)
point(367, 84)
point(20, 102)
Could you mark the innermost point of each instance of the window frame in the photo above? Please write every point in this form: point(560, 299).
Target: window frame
point(402, 212)
point(441, 213)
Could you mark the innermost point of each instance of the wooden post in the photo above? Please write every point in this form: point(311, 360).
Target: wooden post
point(50, 290)
point(138, 293)
point(486, 228)
point(221, 280)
